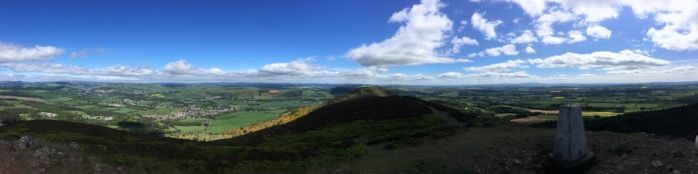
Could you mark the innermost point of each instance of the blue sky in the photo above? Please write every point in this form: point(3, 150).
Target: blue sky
point(382, 42)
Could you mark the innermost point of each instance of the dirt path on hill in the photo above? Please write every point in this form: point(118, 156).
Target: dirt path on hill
point(446, 117)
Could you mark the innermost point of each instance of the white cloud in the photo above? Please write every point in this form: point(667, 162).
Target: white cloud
point(501, 75)
point(123, 71)
point(679, 29)
point(460, 42)
point(499, 67)
point(488, 28)
point(15, 53)
point(451, 75)
point(594, 10)
point(530, 50)
point(531, 7)
point(598, 32)
point(544, 25)
point(508, 49)
point(179, 67)
point(492, 72)
point(414, 43)
point(576, 36)
point(525, 37)
point(608, 61)
point(55, 68)
point(296, 67)
point(183, 68)
point(553, 40)
point(676, 25)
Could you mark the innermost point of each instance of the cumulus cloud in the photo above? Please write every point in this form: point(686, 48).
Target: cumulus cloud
point(576, 36)
point(423, 31)
point(488, 28)
point(544, 25)
point(608, 61)
point(530, 50)
point(675, 29)
point(508, 49)
point(593, 11)
point(460, 42)
point(525, 37)
point(678, 27)
point(182, 67)
point(15, 53)
point(297, 67)
point(499, 67)
point(531, 7)
point(598, 32)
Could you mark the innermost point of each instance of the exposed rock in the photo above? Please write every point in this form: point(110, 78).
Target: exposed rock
point(98, 167)
point(44, 158)
point(74, 145)
point(657, 163)
point(518, 162)
point(26, 142)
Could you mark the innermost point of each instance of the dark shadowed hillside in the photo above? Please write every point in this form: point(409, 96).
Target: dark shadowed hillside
point(680, 122)
point(363, 104)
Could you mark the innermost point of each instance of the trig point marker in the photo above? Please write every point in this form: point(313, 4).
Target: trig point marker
point(571, 150)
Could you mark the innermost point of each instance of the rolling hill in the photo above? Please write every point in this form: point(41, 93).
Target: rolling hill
point(363, 104)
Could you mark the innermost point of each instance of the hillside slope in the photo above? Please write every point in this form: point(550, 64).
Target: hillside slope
point(362, 104)
point(680, 122)
point(359, 109)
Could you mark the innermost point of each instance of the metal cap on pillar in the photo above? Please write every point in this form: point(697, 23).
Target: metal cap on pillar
point(571, 150)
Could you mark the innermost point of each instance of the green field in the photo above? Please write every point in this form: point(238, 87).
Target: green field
point(240, 119)
point(225, 122)
point(600, 114)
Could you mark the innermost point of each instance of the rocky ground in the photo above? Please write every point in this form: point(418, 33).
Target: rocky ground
point(29, 155)
point(511, 149)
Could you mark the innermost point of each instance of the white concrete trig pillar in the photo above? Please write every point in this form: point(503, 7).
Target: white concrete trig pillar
point(571, 148)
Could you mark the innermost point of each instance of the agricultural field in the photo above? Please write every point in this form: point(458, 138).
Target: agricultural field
point(169, 109)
